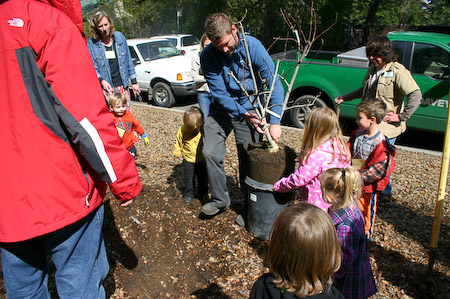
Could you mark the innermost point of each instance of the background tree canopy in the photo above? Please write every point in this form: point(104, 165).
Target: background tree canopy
point(356, 20)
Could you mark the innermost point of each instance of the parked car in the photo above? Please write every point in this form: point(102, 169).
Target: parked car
point(188, 44)
point(162, 70)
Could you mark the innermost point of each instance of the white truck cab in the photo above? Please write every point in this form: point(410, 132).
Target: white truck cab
point(162, 70)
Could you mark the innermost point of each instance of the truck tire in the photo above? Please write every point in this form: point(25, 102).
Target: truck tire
point(298, 114)
point(162, 95)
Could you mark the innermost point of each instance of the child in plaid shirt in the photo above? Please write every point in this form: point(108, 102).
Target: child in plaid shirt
point(341, 187)
point(373, 155)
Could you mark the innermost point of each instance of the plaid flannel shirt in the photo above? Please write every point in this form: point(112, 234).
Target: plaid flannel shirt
point(354, 279)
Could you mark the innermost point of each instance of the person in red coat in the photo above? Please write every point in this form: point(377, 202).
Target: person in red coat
point(60, 151)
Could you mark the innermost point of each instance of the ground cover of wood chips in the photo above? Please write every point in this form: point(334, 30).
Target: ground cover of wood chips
point(159, 247)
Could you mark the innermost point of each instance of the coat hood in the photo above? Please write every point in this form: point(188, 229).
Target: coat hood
point(72, 8)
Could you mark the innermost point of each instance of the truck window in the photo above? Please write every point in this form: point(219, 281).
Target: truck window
point(134, 56)
point(149, 51)
point(173, 41)
point(399, 50)
point(430, 60)
point(189, 41)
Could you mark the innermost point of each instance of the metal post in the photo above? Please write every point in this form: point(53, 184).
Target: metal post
point(179, 14)
point(440, 198)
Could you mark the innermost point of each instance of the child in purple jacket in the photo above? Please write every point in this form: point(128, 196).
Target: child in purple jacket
point(341, 187)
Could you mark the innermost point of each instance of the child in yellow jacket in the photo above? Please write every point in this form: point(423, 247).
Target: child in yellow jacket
point(189, 145)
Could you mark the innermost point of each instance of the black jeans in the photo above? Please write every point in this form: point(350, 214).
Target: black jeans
point(192, 170)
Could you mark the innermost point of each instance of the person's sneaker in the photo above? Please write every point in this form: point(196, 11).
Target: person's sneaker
point(210, 209)
point(187, 199)
point(240, 220)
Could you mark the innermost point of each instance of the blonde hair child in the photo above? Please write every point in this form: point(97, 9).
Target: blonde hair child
point(341, 187)
point(126, 122)
point(323, 147)
point(188, 145)
point(303, 254)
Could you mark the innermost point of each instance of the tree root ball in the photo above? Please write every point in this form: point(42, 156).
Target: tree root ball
point(267, 167)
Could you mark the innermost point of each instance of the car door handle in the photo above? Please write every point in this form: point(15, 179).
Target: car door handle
point(147, 72)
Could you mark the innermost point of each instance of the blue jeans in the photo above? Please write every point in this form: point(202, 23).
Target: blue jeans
point(388, 190)
point(204, 101)
point(133, 152)
point(79, 255)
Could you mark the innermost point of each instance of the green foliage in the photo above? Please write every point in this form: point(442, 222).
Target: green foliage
point(262, 18)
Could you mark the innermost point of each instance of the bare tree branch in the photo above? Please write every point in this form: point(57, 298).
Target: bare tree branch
point(304, 44)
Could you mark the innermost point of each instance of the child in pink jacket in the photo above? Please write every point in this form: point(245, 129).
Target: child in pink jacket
point(323, 147)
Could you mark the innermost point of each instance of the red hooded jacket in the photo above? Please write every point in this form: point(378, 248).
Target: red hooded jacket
point(59, 141)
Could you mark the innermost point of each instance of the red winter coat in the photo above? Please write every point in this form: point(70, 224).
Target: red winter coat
point(59, 142)
point(384, 151)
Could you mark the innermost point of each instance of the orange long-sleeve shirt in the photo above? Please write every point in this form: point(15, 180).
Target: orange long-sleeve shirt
point(129, 123)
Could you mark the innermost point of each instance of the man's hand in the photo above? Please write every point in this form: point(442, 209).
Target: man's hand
point(127, 202)
point(253, 119)
point(391, 117)
point(275, 132)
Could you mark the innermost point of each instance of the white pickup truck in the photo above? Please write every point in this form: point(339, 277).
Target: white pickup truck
point(162, 70)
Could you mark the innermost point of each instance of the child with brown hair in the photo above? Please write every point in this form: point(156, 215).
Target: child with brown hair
point(373, 155)
point(341, 187)
point(303, 254)
point(323, 147)
point(189, 144)
point(126, 122)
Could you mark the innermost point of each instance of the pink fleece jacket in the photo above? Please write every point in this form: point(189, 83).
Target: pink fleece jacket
point(307, 175)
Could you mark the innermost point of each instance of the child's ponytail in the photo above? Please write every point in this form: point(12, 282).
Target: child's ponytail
point(340, 187)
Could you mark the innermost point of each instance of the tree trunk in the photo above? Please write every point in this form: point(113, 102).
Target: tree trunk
point(370, 19)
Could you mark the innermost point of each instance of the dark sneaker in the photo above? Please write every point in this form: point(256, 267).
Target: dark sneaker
point(187, 199)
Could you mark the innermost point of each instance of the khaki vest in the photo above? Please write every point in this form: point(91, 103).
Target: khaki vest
point(394, 83)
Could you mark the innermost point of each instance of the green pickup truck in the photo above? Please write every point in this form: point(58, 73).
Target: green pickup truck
point(324, 75)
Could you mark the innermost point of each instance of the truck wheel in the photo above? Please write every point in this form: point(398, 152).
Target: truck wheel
point(163, 95)
point(306, 104)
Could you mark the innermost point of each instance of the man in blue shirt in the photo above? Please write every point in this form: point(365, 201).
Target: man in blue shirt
point(232, 109)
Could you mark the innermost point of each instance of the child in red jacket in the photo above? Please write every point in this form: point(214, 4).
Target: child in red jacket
point(373, 155)
point(126, 122)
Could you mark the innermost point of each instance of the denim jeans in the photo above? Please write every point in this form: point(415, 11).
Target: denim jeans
point(204, 101)
point(388, 190)
point(79, 255)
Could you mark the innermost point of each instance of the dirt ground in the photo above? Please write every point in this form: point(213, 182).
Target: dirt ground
point(160, 247)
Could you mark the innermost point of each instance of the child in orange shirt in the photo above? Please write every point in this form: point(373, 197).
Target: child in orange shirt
point(126, 122)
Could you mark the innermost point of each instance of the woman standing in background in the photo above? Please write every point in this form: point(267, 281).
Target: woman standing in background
point(204, 97)
point(111, 57)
